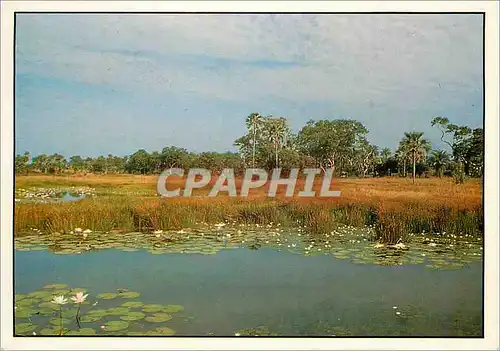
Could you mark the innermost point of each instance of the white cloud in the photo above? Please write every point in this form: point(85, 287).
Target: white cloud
point(387, 70)
point(343, 57)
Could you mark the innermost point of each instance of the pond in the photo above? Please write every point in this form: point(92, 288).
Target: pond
point(241, 288)
point(52, 195)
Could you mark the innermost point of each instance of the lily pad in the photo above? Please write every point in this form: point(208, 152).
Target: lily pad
point(83, 331)
point(101, 313)
point(23, 328)
point(57, 322)
point(133, 316)
point(116, 325)
point(60, 292)
point(27, 302)
point(46, 311)
point(107, 296)
point(40, 294)
point(49, 305)
point(173, 308)
point(118, 311)
point(162, 331)
point(49, 332)
point(19, 297)
point(23, 312)
point(158, 318)
point(135, 333)
point(90, 318)
point(129, 294)
point(77, 290)
point(133, 304)
point(152, 308)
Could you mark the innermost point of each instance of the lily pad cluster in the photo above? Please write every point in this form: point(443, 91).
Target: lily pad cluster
point(48, 311)
point(46, 195)
point(258, 331)
point(439, 251)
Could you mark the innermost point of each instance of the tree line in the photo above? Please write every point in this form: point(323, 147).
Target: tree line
point(269, 142)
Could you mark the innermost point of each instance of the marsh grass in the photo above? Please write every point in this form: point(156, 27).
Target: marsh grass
point(394, 207)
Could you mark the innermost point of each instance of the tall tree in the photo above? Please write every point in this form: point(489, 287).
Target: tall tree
point(417, 147)
point(466, 145)
point(21, 163)
point(439, 159)
point(277, 132)
point(332, 143)
point(254, 124)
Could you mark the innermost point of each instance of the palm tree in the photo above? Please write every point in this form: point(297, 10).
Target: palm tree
point(417, 147)
point(276, 132)
point(402, 155)
point(254, 123)
point(439, 160)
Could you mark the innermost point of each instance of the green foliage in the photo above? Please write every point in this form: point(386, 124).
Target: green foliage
point(340, 144)
point(466, 145)
point(414, 146)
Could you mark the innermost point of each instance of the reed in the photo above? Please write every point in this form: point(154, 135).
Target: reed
point(393, 207)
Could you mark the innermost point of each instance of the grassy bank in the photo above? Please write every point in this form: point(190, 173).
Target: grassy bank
point(393, 206)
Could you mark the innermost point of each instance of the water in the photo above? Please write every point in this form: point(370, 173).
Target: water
point(69, 197)
point(289, 294)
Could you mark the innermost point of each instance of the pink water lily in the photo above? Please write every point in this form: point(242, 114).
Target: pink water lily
point(79, 297)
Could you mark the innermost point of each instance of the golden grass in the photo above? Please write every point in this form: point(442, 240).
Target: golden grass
point(387, 191)
point(393, 205)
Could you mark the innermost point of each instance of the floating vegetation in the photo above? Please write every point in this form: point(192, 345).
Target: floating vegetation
point(129, 294)
point(258, 331)
point(50, 195)
point(59, 316)
point(133, 304)
point(55, 286)
point(439, 251)
point(116, 325)
point(158, 318)
point(152, 308)
point(107, 296)
point(133, 316)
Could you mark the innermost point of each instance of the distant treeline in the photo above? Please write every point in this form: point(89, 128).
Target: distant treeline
point(339, 144)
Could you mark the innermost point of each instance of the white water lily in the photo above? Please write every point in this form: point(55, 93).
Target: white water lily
point(78, 230)
point(237, 334)
point(59, 300)
point(87, 231)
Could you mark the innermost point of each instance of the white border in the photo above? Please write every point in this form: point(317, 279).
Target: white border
point(491, 340)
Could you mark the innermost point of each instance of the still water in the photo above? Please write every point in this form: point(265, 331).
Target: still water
point(289, 294)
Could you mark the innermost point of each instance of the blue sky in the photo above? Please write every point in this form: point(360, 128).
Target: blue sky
point(97, 84)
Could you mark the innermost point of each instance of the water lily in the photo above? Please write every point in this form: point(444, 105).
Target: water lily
point(79, 297)
point(59, 300)
point(237, 334)
point(398, 313)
